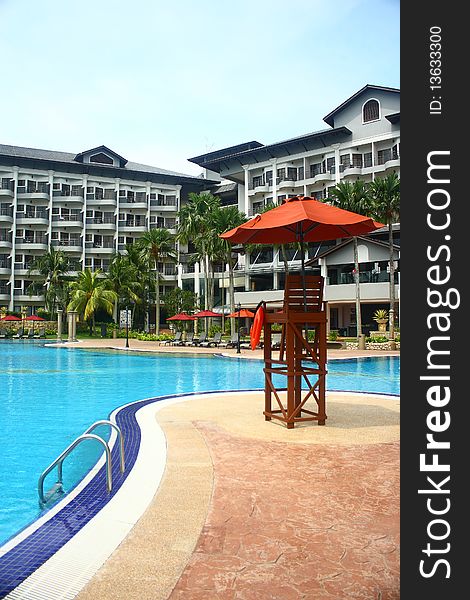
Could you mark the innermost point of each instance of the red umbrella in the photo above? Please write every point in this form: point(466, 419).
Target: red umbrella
point(181, 317)
point(243, 312)
point(301, 219)
point(206, 313)
point(10, 318)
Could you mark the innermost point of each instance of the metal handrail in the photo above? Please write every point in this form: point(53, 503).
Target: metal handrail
point(60, 459)
point(120, 436)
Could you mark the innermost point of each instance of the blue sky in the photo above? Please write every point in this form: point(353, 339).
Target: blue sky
point(160, 81)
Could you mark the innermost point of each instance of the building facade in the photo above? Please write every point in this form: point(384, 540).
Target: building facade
point(362, 142)
point(95, 202)
point(88, 204)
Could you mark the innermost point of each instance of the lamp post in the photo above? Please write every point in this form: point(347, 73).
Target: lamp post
point(238, 322)
point(127, 326)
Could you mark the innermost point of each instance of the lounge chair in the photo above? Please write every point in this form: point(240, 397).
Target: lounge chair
point(200, 340)
point(29, 335)
point(3, 333)
point(19, 333)
point(188, 341)
point(214, 342)
point(232, 343)
point(175, 340)
point(276, 339)
point(40, 334)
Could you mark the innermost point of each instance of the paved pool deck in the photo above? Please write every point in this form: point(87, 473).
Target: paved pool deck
point(250, 510)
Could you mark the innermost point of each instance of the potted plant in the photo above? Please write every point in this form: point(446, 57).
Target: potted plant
point(381, 318)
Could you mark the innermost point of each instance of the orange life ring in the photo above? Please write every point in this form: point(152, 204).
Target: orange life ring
point(255, 331)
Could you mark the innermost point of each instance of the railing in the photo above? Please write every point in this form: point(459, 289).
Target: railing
point(72, 242)
point(100, 220)
point(38, 239)
point(68, 218)
point(6, 212)
point(58, 462)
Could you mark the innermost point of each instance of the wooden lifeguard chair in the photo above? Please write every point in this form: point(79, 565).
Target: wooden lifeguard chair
point(302, 353)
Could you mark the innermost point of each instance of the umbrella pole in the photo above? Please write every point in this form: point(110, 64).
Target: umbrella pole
point(302, 266)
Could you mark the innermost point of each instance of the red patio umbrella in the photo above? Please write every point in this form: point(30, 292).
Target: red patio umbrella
point(181, 317)
point(10, 318)
point(243, 312)
point(206, 314)
point(301, 219)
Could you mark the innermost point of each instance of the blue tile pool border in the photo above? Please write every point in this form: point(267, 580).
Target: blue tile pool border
point(29, 554)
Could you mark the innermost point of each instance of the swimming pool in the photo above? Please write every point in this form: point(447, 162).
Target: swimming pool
point(49, 396)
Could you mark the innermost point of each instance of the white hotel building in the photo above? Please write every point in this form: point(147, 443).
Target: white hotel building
point(94, 202)
point(361, 142)
point(87, 204)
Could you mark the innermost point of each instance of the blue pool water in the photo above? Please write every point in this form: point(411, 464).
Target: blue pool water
point(49, 396)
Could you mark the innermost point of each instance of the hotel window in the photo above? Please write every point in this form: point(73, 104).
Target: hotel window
point(357, 161)
point(345, 160)
point(368, 159)
point(76, 190)
point(291, 173)
point(268, 177)
point(383, 156)
point(395, 152)
point(300, 173)
point(370, 111)
point(258, 180)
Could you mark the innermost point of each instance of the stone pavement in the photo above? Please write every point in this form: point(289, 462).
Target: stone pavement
point(250, 510)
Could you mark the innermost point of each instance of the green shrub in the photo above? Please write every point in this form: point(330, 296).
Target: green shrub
point(333, 335)
point(379, 339)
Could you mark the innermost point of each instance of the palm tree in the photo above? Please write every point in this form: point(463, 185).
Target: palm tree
point(89, 295)
point(122, 277)
point(196, 224)
point(53, 267)
point(386, 201)
point(157, 244)
point(226, 218)
point(353, 197)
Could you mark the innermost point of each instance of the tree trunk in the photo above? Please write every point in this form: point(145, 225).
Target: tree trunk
point(115, 311)
point(206, 282)
point(391, 312)
point(358, 290)
point(157, 299)
point(284, 259)
point(231, 287)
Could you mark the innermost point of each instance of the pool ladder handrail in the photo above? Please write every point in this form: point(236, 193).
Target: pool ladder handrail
point(86, 435)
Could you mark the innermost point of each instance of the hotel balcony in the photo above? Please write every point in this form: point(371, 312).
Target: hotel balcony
point(370, 292)
point(5, 266)
point(23, 296)
point(5, 242)
point(67, 245)
point(92, 248)
point(130, 227)
point(65, 199)
point(35, 242)
point(6, 192)
point(99, 202)
point(101, 223)
point(156, 205)
point(36, 218)
point(125, 203)
point(32, 195)
point(4, 292)
point(6, 215)
point(67, 221)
